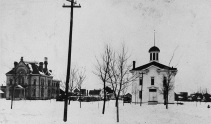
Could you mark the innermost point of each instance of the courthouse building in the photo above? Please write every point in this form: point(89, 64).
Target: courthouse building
point(31, 80)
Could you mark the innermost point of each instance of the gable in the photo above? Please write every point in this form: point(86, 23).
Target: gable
point(156, 64)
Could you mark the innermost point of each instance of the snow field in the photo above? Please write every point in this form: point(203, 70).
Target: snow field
point(51, 112)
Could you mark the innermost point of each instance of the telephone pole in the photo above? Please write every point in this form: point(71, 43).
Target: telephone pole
point(73, 5)
point(142, 86)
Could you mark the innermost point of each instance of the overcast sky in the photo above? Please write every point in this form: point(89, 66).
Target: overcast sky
point(36, 29)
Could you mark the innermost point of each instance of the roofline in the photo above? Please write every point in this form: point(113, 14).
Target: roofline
point(168, 68)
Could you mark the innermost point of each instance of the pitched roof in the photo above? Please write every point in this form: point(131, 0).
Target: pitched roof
point(34, 69)
point(159, 65)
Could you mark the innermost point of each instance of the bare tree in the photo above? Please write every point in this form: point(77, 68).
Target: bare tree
point(80, 79)
point(16, 76)
point(124, 90)
point(135, 90)
point(73, 80)
point(168, 84)
point(119, 75)
point(102, 69)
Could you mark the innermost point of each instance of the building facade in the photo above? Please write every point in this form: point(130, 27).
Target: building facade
point(148, 87)
point(28, 80)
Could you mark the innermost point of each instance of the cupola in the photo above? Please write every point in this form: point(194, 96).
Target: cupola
point(154, 54)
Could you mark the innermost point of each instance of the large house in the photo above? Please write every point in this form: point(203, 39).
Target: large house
point(147, 88)
point(28, 80)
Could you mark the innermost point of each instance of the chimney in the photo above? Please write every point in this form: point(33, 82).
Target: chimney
point(21, 58)
point(15, 64)
point(41, 66)
point(46, 63)
point(134, 64)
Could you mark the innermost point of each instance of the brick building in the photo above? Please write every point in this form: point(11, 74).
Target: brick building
point(30, 80)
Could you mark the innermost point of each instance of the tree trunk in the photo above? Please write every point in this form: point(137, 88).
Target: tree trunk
point(12, 97)
point(135, 98)
point(80, 97)
point(117, 110)
point(104, 100)
point(116, 103)
point(167, 100)
point(164, 94)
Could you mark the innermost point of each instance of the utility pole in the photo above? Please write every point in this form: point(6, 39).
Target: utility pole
point(141, 87)
point(69, 55)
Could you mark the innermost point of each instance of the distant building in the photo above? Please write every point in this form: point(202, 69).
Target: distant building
point(77, 92)
point(181, 96)
point(31, 81)
point(151, 75)
point(2, 91)
point(83, 92)
point(94, 92)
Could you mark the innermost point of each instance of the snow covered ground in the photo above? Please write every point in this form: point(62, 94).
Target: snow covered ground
point(51, 112)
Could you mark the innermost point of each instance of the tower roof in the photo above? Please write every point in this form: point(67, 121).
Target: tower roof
point(154, 49)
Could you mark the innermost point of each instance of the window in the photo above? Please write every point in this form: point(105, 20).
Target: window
point(22, 80)
point(49, 82)
point(140, 94)
point(152, 81)
point(10, 81)
point(152, 90)
point(34, 94)
point(153, 56)
point(42, 92)
point(164, 81)
point(140, 81)
point(150, 56)
point(49, 93)
point(42, 81)
point(34, 81)
point(19, 80)
point(156, 56)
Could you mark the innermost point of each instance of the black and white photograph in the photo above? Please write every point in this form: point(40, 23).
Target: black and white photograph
point(105, 61)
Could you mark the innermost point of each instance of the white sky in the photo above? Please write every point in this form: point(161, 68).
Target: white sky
point(36, 29)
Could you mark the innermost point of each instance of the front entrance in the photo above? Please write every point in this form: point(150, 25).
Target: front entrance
point(153, 96)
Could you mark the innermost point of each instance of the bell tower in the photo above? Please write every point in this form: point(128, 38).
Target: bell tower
point(154, 52)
